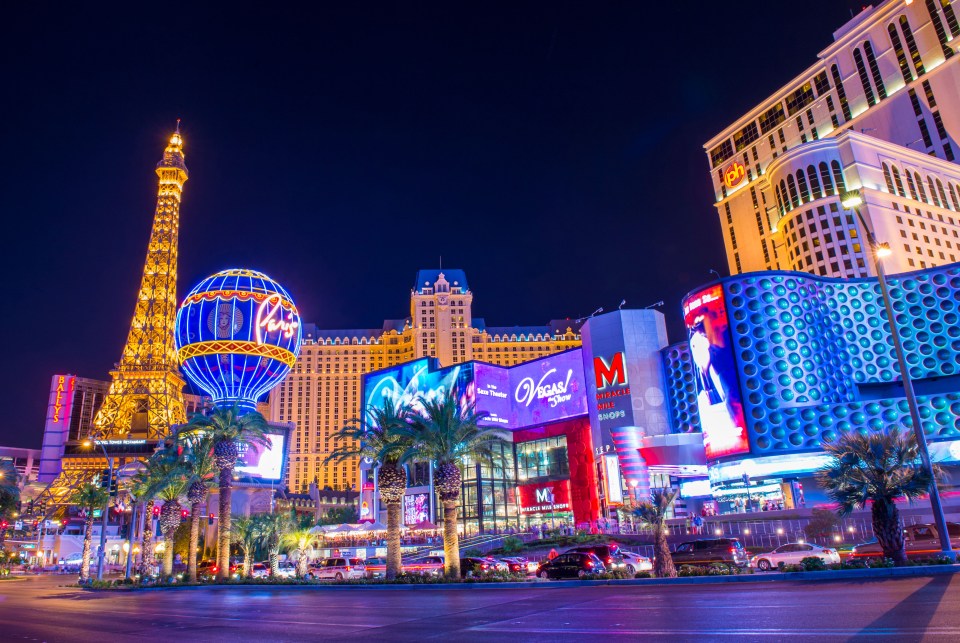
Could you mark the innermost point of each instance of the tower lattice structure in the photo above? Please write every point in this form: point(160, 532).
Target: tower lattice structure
point(146, 393)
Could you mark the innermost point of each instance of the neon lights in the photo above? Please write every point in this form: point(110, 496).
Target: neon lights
point(612, 374)
point(554, 393)
point(734, 174)
point(270, 316)
point(61, 400)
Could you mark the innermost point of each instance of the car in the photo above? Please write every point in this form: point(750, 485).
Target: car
point(207, 569)
point(575, 564)
point(338, 569)
point(479, 565)
point(376, 567)
point(286, 569)
point(428, 565)
point(260, 570)
point(709, 551)
point(608, 554)
point(920, 541)
point(74, 561)
point(635, 562)
point(519, 565)
point(792, 554)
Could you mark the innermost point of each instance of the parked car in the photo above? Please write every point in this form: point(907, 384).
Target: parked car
point(792, 554)
point(286, 569)
point(635, 562)
point(338, 569)
point(519, 565)
point(428, 565)
point(608, 554)
point(920, 541)
point(480, 565)
point(571, 565)
point(260, 570)
point(708, 551)
point(376, 567)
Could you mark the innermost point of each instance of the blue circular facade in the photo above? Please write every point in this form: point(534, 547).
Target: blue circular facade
point(238, 334)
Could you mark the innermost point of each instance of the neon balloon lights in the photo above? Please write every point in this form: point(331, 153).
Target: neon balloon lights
point(238, 335)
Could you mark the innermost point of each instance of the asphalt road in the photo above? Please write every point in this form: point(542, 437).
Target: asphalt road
point(910, 609)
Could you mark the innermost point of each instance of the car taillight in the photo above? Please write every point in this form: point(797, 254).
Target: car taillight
point(483, 565)
point(589, 563)
point(348, 568)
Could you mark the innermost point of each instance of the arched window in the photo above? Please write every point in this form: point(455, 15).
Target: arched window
point(938, 27)
point(841, 94)
point(905, 70)
point(951, 18)
point(874, 69)
point(864, 78)
point(896, 179)
point(912, 46)
point(779, 200)
point(923, 193)
point(910, 184)
point(953, 197)
point(804, 190)
point(888, 179)
point(933, 192)
point(825, 179)
point(838, 177)
point(794, 199)
point(943, 195)
point(814, 182)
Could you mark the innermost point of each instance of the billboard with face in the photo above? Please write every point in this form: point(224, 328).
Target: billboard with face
point(718, 389)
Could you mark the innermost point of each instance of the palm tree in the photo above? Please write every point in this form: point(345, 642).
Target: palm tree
point(380, 441)
point(198, 455)
point(229, 429)
point(877, 468)
point(652, 514)
point(446, 433)
point(88, 497)
point(9, 483)
point(246, 532)
point(165, 477)
point(272, 529)
point(299, 542)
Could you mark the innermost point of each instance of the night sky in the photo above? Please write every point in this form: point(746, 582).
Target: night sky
point(551, 150)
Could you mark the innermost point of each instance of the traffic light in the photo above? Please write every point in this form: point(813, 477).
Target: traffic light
point(184, 513)
point(210, 519)
point(156, 511)
point(3, 525)
point(105, 479)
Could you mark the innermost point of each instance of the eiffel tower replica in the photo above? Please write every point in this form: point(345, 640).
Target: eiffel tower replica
point(146, 393)
point(145, 397)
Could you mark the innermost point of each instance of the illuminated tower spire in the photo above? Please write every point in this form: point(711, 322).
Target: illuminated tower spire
point(146, 394)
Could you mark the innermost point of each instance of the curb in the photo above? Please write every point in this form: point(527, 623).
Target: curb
point(827, 575)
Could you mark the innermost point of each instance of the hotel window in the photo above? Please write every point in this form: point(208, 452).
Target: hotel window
point(771, 118)
point(838, 177)
point(821, 83)
point(825, 179)
point(920, 189)
point(874, 70)
point(938, 27)
point(901, 56)
point(933, 192)
point(864, 78)
point(912, 46)
point(721, 153)
point(746, 136)
point(841, 94)
point(896, 178)
point(799, 99)
point(889, 180)
point(802, 183)
point(814, 182)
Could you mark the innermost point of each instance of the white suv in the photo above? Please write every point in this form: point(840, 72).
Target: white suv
point(338, 569)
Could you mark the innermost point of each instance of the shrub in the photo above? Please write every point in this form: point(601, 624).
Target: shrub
point(822, 523)
point(643, 575)
point(813, 564)
point(472, 552)
point(511, 545)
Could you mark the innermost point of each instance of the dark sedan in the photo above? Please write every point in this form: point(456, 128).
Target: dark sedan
point(571, 565)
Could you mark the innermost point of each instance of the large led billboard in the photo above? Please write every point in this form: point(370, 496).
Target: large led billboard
point(262, 463)
point(718, 390)
point(538, 392)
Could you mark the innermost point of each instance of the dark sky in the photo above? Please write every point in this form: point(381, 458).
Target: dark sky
point(551, 150)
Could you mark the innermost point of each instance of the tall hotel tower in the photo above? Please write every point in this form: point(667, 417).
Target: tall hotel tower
point(322, 392)
point(878, 112)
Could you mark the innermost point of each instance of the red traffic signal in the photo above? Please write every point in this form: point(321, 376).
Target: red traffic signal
point(156, 511)
point(184, 513)
point(210, 519)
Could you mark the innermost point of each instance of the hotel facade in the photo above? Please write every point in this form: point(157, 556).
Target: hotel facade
point(878, 112)
point(323, 390)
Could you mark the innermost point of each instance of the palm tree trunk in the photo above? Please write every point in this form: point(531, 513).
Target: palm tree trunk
point(451, 540)
point(302, 560)
point(194, 542)
point(87, 542)
point(247, 563)
point(888, 528)
point(167, 556)
point(273, 547)
point(146, 545)
point(663, 562)
point(394, 520)
point(223, 528)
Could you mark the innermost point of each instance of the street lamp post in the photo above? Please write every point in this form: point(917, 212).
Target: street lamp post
point(101, 555)
point(853, 200)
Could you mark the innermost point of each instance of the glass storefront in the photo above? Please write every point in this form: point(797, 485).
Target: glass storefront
point(546, 458)
point(488, 497)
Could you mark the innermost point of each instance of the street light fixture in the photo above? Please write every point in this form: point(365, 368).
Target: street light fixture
point(101, 555)
point(853, 200)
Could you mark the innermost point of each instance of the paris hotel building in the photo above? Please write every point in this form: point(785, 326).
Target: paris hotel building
point(878, 112)
point(322, 391)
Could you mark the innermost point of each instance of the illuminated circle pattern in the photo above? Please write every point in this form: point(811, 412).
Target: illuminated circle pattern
point(815, 355)
point(681, 382)
point(238, 334)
